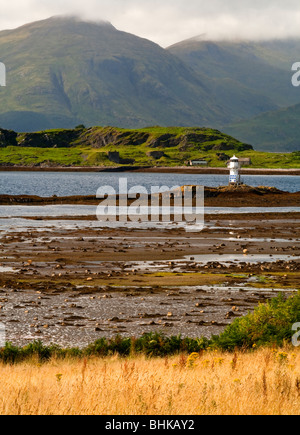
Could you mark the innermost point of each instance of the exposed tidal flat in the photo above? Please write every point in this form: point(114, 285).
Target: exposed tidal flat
point(70, 279)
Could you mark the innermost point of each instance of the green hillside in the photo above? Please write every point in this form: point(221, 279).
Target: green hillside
point(262, 68)
point(114, 147)
point(62, 72)
point(272, 131)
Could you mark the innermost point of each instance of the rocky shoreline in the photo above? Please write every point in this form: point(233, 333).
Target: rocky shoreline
point(243, 196)
point(151, 169)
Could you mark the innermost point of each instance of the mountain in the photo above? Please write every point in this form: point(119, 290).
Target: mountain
point(271, 131)
point(62, 72)
point(263, 68)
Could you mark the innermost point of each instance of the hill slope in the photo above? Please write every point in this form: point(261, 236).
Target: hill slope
point(114, 147)
point(271, 131)
point(62, 72)
point(263, 68)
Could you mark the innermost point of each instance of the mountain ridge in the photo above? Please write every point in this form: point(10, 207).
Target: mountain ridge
point(65, 71)
point(83, 72)
point(261, 66)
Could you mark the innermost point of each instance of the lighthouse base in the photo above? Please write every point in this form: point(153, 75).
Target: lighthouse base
point(234, 179)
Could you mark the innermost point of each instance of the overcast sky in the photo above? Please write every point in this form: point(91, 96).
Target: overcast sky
point(169, 21)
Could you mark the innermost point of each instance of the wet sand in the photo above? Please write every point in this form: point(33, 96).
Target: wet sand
point(223, 196)
point(71, 282)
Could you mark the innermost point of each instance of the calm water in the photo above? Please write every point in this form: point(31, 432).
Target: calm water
point(18, 211)
point(46, 184)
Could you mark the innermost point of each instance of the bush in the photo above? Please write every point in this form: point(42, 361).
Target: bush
point(269, 324)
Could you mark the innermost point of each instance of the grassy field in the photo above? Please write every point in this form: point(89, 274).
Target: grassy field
point(263, 382)
point(176, 147)
point(89, 157)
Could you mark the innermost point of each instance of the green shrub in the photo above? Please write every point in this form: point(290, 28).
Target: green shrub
point(269, 324)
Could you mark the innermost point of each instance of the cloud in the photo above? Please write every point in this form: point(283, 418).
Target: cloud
point(170, 21)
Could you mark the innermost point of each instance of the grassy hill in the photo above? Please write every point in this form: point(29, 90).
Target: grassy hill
point(114, 147)
point(62, 72)
point(271, 131)
point(262, 68)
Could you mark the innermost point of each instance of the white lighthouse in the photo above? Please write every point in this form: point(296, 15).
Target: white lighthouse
point(234, 166)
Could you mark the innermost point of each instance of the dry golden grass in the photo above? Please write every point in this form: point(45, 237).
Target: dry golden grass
point(264, 382)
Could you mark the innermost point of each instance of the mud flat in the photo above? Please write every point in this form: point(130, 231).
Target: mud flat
point(224, 196)
point(81, 315)
point(72, 280)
